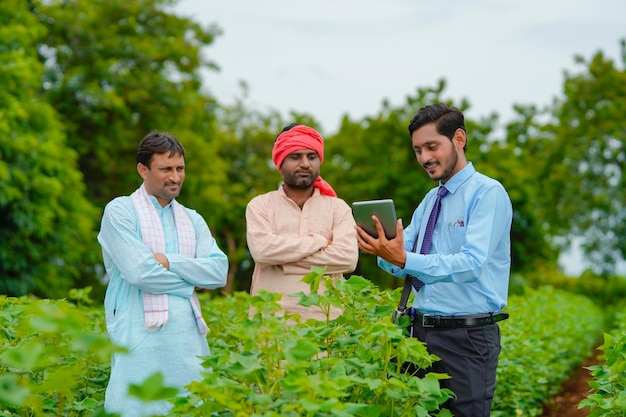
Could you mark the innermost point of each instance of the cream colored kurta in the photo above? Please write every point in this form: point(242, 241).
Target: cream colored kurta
point(285, 241)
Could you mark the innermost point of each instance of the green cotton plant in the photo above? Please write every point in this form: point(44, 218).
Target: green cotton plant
point(266, 362)
point(53, 358)
point(608, 386)
point(549, 333)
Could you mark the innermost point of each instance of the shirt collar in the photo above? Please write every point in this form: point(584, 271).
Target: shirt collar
point(281, 190)
point(459, 178)
point(158, 205)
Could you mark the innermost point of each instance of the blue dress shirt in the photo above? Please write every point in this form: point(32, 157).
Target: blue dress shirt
point(467, 270)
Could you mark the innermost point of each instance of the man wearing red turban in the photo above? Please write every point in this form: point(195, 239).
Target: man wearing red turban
point(297, 138)
point(300, 225)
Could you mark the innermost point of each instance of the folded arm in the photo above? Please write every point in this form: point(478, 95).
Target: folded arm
point(339, 257)
point(120, 238)
point(209, 268)
point(270, 248)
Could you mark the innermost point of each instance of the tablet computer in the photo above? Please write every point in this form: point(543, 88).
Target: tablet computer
point(385, 210)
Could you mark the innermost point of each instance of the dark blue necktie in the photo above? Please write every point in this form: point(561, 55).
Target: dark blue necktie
point(430, 228)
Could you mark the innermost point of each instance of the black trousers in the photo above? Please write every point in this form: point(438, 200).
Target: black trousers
point(470, 357)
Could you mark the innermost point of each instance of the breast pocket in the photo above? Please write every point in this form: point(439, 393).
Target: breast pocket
point(456, 235)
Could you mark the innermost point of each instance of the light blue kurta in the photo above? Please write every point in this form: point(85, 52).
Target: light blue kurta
point(173, 350)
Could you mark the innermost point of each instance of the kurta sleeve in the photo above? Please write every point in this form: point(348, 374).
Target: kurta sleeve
point(209, 268)
point(268, 247)
point(341, 255)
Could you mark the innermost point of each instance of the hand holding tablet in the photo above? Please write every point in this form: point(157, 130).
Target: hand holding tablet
point(383, 209)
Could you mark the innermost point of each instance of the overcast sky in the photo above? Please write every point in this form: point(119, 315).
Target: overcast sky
point(331, 57)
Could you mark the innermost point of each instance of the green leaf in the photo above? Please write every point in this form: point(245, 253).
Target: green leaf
point(11, 393)
point(152, 389)
point(319, 270)
point(24, 356)
point(299, 350)
point(88, 404)
point(357, 283)
point(242, 365)
point(307, 300)
point(61, 377)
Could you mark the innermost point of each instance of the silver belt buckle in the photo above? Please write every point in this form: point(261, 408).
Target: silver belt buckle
point(423, 321)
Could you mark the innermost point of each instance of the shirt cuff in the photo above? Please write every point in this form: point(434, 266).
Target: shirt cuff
point(414, 264)
point(390, 268)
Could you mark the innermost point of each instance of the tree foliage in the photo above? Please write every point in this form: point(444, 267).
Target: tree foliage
point(587, 160)
point(46, 224)
point(82, 82)
point(521, 160)
point(117, 69)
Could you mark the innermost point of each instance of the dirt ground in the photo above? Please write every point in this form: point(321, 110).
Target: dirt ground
point(565, 404)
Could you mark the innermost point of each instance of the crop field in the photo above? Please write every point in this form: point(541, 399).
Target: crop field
point(55, 353)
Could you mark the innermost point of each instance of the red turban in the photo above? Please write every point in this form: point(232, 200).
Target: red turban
point(295, 139)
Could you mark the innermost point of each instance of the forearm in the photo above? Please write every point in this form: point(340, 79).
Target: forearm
point(272, 249)
point(209, 268)
point(127, 256)
point(457, 267)
point(271, 245)
point(207, 272)
point(339, 257)
point(151, 276)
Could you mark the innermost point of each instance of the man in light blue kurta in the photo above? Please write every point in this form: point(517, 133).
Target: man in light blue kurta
point(134, 270)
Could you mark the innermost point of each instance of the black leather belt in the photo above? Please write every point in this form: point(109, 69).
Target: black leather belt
point(451, 322)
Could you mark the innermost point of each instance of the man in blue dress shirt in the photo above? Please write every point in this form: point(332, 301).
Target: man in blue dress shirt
point(460, 281)
point(156, 252)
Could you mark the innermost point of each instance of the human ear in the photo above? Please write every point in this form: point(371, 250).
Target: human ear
point(142, 169)
point(460, 138)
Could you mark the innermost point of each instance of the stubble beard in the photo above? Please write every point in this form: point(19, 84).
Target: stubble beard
point(170, 195)
point(300, 183)
point(448, 169)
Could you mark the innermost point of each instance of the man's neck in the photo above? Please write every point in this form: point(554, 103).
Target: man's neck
point(298, 195)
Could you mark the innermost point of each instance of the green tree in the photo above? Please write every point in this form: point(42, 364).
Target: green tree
point(117, 69)
point(518, 162)
point(46, 224)
point(247, 139)
point(586, 158)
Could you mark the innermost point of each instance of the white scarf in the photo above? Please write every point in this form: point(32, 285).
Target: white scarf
point(156, 305)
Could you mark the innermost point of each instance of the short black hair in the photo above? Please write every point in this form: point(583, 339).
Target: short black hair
point(448, 119)
point(158, 142)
